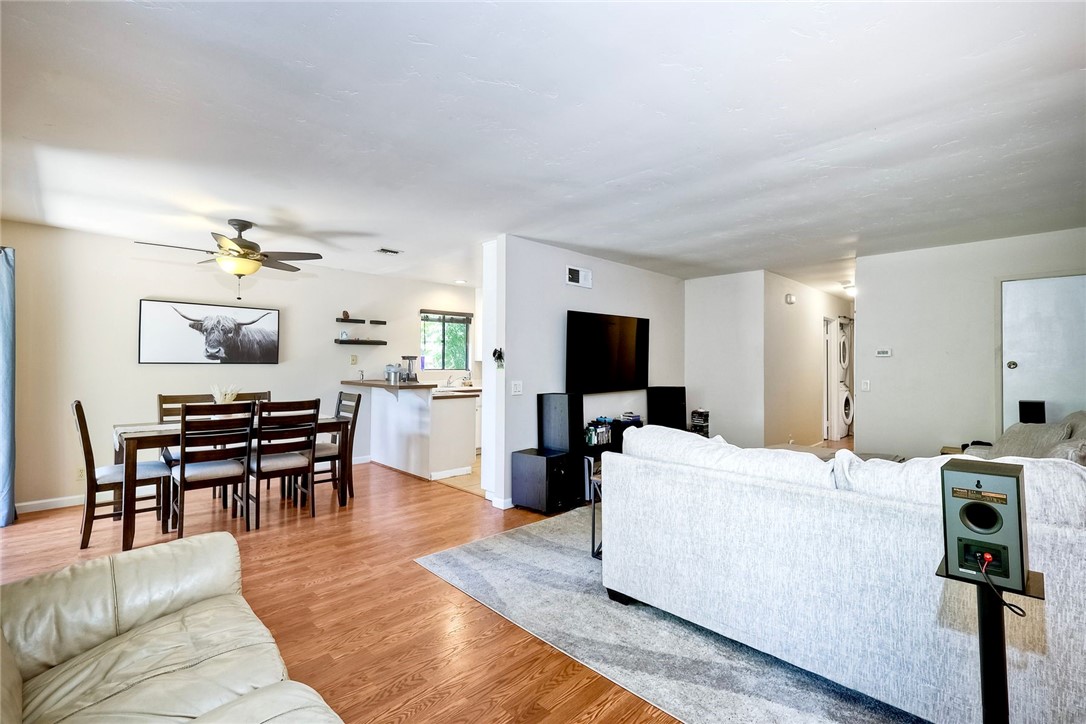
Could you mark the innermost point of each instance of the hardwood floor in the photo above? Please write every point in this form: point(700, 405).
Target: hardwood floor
point(381, 638)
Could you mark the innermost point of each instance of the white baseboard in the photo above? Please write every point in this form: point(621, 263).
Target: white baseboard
point(502, 504)
point(442, 474)
point(32, 506)
point(360, 459)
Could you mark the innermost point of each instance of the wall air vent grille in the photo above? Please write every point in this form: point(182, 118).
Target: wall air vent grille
point(579, 277)
point(389, 252)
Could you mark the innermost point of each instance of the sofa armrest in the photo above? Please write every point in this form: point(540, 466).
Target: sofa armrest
point(49, 618)
point(985, 452)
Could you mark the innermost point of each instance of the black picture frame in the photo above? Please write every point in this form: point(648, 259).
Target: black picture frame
point(173, 332)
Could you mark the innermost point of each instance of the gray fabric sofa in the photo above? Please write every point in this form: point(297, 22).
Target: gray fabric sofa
point(155, 634)
point(1065, 439)
point(830, 565)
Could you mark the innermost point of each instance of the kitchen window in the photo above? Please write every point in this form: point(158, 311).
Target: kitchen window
point(445, 339)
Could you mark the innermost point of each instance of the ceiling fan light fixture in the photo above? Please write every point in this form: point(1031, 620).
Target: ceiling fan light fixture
point(239, 266)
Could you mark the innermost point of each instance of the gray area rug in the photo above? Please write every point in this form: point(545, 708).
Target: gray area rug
point(542, 578)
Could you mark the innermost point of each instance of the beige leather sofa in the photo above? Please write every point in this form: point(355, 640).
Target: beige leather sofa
point(155, 634)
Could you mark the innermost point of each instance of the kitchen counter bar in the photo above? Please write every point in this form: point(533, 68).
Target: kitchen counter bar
point(409, 432)
point(384, 385)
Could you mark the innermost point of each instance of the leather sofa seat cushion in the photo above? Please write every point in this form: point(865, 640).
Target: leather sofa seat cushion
point(176, 667)
point(287, 701)
point(11, 681)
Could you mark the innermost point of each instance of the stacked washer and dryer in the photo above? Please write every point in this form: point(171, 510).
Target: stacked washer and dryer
point(841, 407)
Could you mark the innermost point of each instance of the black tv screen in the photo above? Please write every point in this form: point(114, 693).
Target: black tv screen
point(606, 352)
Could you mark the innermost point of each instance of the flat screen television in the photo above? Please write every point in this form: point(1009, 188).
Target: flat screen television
point(606, 352)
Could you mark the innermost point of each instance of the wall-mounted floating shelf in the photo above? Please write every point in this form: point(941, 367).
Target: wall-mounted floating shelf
point(359, 341)
point(341, 320)
point(377, 321)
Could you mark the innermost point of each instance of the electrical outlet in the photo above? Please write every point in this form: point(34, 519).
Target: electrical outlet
point(80, 474)
point(517, 387)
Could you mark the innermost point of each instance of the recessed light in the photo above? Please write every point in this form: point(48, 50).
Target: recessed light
point(460, 281)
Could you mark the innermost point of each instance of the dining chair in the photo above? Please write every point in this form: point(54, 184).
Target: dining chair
point(347, 404)
point(169, 410)
point(109, 478)
point(215, 451)
point(286, 438)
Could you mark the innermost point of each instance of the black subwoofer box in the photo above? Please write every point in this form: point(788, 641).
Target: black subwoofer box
point(544, 480)
point(561, 421)
point(666, 406)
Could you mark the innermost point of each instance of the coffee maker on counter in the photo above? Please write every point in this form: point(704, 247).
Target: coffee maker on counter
point(409, 375)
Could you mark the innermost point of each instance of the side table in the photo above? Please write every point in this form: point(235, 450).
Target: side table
point(595, 482)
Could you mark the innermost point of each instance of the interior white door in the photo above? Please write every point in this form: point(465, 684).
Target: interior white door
point(1044, 345)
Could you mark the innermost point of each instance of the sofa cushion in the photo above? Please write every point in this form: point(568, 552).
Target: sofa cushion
point(1030, 440)
point(914, 481)
point(1055, 489)
point(11, 685)
point(666, 444)
point(176, 667)
point(1073, 450)
point(287, 701)
point(1077, 421)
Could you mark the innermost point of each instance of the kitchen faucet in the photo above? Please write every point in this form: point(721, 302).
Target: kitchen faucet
point(449, 382)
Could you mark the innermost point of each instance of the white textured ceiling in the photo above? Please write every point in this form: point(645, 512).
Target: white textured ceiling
point(691, 139)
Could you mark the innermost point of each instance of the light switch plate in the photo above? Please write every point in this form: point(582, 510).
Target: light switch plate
point(516, 387)
point(865, 385)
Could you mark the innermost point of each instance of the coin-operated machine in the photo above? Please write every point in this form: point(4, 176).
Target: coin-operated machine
point(985, 543)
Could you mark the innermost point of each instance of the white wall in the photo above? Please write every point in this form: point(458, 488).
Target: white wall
point(537, 298)
point(795, 359)
point(725, 355)
point(939, 311)
point(77, 308)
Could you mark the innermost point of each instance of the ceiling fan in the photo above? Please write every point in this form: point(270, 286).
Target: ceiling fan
point(242, 257)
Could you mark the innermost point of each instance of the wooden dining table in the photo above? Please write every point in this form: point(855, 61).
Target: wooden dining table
point(130, 438)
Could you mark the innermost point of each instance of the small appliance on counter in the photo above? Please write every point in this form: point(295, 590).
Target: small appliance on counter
point(392, 374)
point(410, 375)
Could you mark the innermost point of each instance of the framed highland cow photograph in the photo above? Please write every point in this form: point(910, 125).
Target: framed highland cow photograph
point(188, 333)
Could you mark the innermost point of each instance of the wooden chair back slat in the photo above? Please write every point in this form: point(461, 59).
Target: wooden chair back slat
point(289, 426)
point(169, 406)
point(215, 432)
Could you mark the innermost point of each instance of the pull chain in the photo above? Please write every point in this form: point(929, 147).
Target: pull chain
point(239, 287)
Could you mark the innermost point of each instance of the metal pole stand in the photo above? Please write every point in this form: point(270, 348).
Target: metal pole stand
point(992, 636)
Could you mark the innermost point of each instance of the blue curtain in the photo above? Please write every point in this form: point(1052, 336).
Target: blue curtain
point(7, 386)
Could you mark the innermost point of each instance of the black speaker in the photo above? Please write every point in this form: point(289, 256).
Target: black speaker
point(561, 421)
point(1031, 411)
point(547, 480)
point(667, 406)
point(984, 514)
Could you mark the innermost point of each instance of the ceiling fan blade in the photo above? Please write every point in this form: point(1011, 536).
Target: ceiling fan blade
point(225, 242)
point(273, 264)
point(212, 260)
point(171, 246)
point(292, 255)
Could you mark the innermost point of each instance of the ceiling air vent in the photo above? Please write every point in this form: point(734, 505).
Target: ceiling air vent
point(579, 277)
point(389, 252)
